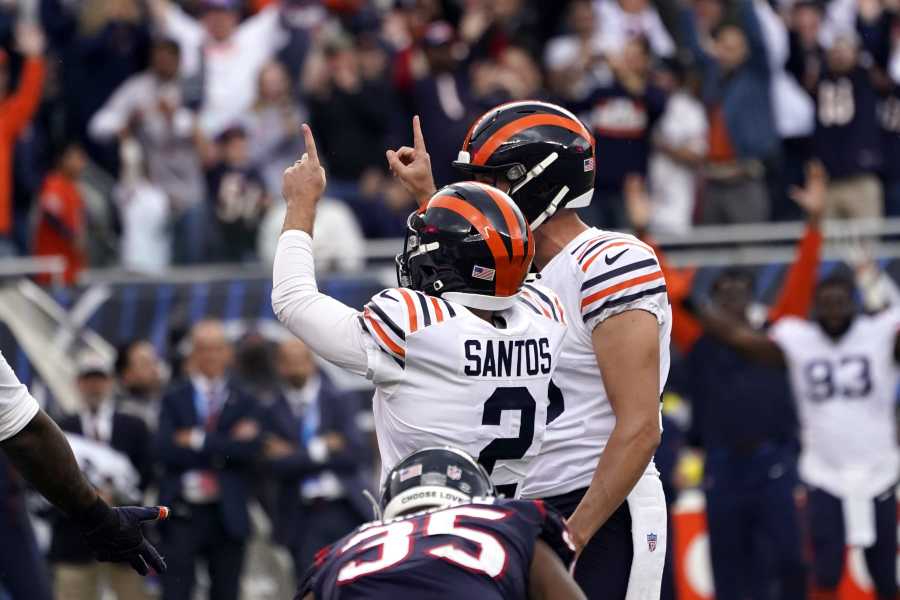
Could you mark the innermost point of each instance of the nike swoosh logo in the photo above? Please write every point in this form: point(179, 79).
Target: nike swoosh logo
point(610, 260)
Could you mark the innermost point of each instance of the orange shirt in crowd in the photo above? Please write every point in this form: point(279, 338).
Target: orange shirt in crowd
point(60, 227)
point(720, 148)
point(16, 111)
point(795, 298)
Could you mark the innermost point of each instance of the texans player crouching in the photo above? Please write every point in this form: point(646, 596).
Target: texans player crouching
point(444, 535)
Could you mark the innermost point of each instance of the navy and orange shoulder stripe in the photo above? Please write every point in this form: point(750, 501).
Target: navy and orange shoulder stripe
point(542, 302)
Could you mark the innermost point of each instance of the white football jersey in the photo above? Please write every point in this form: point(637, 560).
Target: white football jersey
point(444, 376)
point(845, 392)
point(17, 406)
point(597, 275)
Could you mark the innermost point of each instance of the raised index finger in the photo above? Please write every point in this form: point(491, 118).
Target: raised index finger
point(418, 138)
point(310, 144)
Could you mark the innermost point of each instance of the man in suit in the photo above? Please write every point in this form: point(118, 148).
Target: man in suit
point(317, 453)
point(77, 576)
point(139, 371)
point(207, 440)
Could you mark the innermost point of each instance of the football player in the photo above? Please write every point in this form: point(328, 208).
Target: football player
point(463, 353)
point(843, 369)
point(604, 421)
point(443, 534)
point(40, 452)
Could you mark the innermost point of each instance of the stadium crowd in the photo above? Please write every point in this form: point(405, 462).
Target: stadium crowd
point(147, 133)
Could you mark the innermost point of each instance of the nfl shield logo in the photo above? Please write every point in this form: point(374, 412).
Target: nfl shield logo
point(454, 472)
point(651, 541)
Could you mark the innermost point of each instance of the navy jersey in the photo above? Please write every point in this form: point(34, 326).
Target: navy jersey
point(847, 132)
point(479, 550)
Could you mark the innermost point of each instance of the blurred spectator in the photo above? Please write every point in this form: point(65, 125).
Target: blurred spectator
point(100, 44)
point(570, 59)
point(383, 207)
point(490, 26)
point(441, 96)
point(208, 437)
point(150, 107)
point(349, 110)
point(514, 75)
point(144, 213)
point(679, 147)
point(238, 200)
point(847, 138)
point(140, 380)
point(77, 576)
point(221, 57)
point(273, 127)
point(340, 245)
point(254, 367)
point(794, 114)
point(23, 571)
point(621, 112)
point(890, 124)
point(17, 107)
point(314, 451)
point(619, 21)
point(61, 220)
point(301, 20)
point(737, 93)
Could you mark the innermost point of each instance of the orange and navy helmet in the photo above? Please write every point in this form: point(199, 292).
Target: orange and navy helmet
point(544, 151)
point(470, 244)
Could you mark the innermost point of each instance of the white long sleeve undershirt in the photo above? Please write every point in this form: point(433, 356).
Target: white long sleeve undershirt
point(329, 327)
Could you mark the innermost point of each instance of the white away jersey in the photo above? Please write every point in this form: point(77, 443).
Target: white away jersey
point(17, 407)
point(444, 376)
point(845, 392)
point(597, 275)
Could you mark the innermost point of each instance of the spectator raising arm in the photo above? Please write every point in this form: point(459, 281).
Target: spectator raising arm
point(17, 110)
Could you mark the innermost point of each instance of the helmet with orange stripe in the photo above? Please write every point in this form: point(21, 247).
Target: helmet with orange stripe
point(470, 244)
point(543, 151)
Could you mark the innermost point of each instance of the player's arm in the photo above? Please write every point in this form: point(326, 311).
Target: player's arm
point(42, 455)
point(753, 344)
point(330, 328)
point(626, 347)
point(797, 292)
point(412, 165)
point(549, 579)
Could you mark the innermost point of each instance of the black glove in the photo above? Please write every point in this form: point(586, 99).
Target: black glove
point(114, 534)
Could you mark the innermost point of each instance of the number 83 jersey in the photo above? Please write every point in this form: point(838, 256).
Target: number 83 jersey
point(444, 376)
point(845, 390)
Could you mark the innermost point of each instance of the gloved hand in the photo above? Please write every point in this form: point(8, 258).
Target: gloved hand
point(114, 534)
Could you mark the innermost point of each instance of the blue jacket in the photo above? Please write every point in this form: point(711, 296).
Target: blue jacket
point(745, 93)
point(338, 415)
point(230, 459)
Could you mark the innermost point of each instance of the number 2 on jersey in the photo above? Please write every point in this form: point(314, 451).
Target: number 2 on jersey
point(395, 543)
point(508, 399)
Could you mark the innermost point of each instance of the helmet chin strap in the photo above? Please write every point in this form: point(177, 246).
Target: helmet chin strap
point(534, 172)
point(550, 210)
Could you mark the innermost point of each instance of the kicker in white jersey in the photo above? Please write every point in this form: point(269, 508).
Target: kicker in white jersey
point(597, 275)
point(845, 391)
